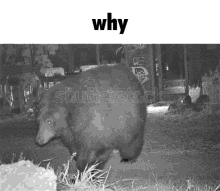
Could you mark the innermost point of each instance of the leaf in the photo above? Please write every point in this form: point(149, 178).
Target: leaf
point(52, 48)
point(120, 49)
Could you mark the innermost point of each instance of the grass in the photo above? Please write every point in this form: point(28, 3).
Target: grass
point(65, 182)
point(192, 130)
point(190, 126)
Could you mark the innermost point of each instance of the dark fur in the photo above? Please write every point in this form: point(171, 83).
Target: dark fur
point(187, 101)
point(202, 99)
point(95, 129)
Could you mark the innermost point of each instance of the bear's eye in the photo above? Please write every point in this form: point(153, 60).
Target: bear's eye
point(49, 121)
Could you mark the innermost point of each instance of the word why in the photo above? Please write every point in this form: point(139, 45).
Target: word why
point(100, 24)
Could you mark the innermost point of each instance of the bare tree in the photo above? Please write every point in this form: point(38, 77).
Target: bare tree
point(71, 58)
point(186, 70)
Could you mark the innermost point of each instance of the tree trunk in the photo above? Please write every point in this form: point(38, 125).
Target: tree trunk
point(160, 77)
point(126, 50)
point(186, 70)
point(152, 79)
point(1, 72)
point(21, 96)
point(71, 58)
point(200, 85)
point(97, 54)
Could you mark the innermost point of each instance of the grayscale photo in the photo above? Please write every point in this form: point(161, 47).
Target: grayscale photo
point(110, 115)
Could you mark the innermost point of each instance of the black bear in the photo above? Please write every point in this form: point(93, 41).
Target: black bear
point(95, 112)
point(202, 99)
point(187, 101)
point(200, 103)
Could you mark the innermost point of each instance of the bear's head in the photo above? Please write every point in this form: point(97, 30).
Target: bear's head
point(52, 123)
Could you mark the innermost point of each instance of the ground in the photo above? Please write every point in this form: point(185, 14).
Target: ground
point(177, 148)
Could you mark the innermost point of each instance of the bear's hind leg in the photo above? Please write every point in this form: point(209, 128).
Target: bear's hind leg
point(131, 152)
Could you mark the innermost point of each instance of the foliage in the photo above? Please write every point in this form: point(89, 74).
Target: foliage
point(201, 62)
point(44, 61)
point(25, 53)
point(130, 47)
point(201, 68)
point(211, 82)
point(29, 79)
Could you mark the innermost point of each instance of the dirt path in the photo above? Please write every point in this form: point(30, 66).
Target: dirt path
point(166, 161)
point(162, 157)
